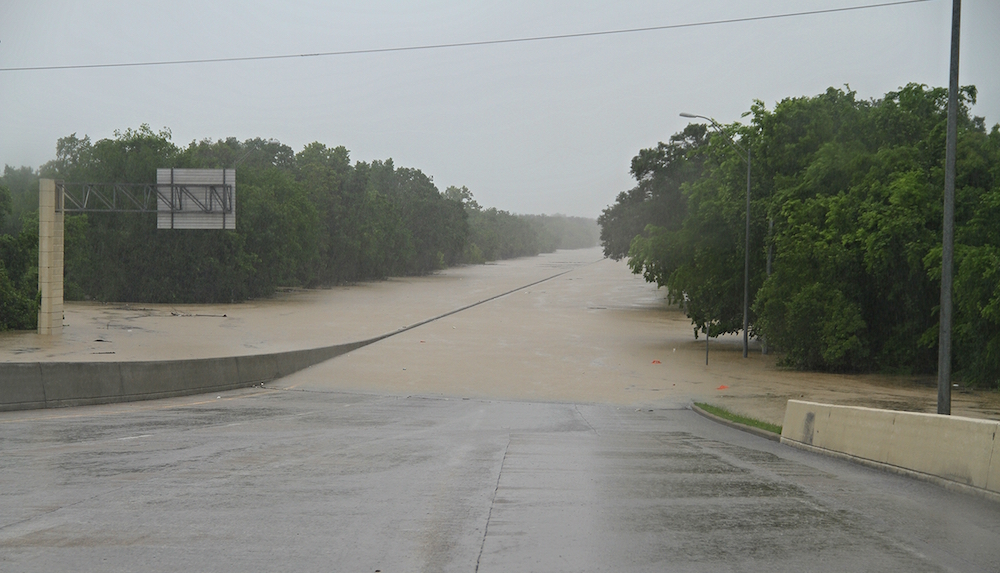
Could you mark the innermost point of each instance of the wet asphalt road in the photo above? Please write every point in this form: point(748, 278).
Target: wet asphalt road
point(289, 480)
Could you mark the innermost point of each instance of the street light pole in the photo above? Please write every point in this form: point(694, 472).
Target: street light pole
point(948, 230)
point(746, 267)
point(746, 247)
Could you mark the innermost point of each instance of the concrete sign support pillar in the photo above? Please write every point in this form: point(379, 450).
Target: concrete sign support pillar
point(50, 257)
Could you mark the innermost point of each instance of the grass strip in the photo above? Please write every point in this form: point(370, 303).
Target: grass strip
point(746, 421)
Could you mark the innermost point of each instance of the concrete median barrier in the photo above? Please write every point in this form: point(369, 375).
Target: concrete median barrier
point(78, 383)
point(31, 385)
point(162, 379)
point(954, 449)
point(21, 386)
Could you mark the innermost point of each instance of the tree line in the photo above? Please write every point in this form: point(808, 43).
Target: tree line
point(846, 224)
point(308, 219)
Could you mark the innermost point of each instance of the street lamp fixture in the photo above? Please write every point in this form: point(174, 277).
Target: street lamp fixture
point(746, 248)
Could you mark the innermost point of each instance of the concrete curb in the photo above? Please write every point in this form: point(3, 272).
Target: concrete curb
point(755, 431)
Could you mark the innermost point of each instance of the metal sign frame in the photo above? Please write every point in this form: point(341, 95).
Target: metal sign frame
point(188, 199)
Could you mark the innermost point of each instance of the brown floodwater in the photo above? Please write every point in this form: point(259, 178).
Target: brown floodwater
point(568, 326)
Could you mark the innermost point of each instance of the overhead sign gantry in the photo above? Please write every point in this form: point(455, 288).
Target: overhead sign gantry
point(181, 199)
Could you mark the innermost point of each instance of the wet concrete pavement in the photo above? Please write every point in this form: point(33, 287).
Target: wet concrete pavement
point(272, 480)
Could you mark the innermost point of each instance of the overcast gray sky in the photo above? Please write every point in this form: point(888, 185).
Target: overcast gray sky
point(533, 127)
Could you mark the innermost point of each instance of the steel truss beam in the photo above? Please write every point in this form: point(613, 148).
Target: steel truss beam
point(143, 197)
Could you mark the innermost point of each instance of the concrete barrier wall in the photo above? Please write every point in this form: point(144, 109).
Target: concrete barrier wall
point(25, 386)
point(965, 451)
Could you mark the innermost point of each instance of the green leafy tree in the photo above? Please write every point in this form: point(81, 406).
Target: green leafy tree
point(976, 321)
point(308, 218)
point(857, 195)
point(18, 307)
point(699, 254)
point(847, 196)
point(657, 199)
point(22, 186)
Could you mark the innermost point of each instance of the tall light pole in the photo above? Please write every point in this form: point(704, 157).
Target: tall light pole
point(746, 247)
point(948, 230)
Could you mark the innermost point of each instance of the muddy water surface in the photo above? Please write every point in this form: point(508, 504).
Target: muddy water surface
point(568, 326)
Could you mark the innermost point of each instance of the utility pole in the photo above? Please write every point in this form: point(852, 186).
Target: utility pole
point(948, 227)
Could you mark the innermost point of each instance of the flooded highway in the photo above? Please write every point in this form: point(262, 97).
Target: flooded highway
point(532, 432)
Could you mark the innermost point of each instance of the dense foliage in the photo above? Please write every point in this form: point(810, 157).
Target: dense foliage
point(303, 219)
point(846, 221)
point(18, 253)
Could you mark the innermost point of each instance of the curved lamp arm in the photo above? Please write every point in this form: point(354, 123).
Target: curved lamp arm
point(719, 129)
